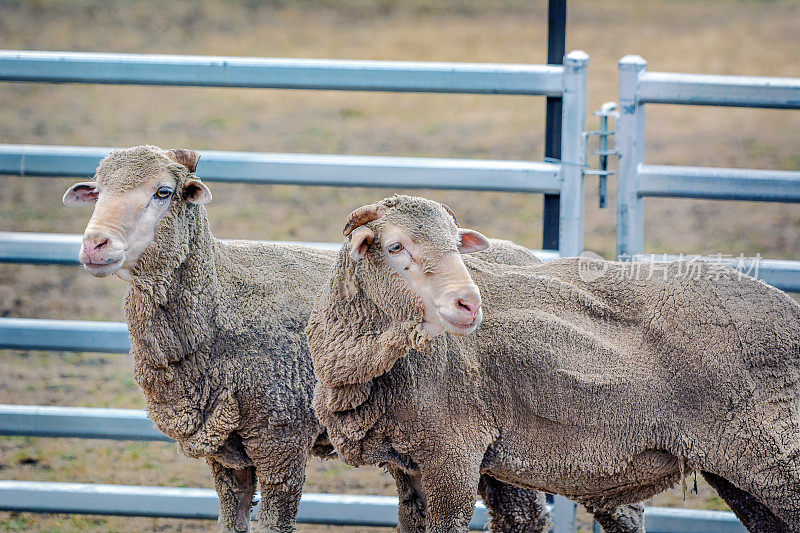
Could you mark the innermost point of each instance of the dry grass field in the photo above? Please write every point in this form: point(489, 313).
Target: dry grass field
point(712, 36)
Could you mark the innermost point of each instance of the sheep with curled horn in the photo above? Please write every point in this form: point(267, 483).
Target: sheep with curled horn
point(606, 388)
point(217, 331)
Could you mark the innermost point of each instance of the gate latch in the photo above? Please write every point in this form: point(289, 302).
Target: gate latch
point(608, 109)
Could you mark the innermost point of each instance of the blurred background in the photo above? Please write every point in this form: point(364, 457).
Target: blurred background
point(709, 36)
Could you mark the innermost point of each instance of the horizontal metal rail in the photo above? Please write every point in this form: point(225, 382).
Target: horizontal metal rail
point(175, 502)
point(78, 422)
point(324, 74)
point(308, 169)
point(63, 335)
point(335, 509)
point(62, 248)
point(719, 183)
point(39, 248)
point(716, 90)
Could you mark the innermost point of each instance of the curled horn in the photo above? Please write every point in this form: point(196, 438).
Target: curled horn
point(182, 156)
point(451, 214)
point(361, 216)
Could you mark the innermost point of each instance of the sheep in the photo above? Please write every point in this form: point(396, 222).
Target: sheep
point(216, 329)
point(606, 389)
point(217, 334)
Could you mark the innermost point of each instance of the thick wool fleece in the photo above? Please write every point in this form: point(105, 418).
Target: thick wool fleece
point(219, 350)
point(507, 253)
point(606, 391)
point(511, 508)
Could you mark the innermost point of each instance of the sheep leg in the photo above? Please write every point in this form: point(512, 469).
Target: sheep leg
point(752, 513)
point(513, 509)
point(622, 519)
point(281, 471)
point(235, 489)
point(450, 491)
point(280, 500)
point(279, 505)
point(411, 509)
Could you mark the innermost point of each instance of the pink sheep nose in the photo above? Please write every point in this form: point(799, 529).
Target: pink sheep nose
point(469, 302)
point(461, 308)
point(95, 243)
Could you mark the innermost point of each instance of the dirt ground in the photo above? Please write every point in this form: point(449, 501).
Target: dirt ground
point(713, 36)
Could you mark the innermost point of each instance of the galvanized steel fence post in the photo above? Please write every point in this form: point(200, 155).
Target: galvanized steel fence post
point(573, 154)
point(630, 145)
point(564, 518)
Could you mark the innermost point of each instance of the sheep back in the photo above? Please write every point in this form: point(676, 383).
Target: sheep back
point(602, 368)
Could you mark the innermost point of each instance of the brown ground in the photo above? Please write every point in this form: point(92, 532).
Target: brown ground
point(714, 36)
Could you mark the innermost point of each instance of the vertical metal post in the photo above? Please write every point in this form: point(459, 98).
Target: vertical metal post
point(564, 515)
point(573, 154)
point(556, 47)
point(630, 145)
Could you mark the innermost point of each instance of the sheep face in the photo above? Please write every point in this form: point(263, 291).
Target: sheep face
point(132, 192)
point(419, 243)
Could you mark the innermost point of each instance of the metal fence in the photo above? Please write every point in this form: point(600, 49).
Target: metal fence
point(567, 81)
point(171, 502)
point(562, 178)
point(638, 180)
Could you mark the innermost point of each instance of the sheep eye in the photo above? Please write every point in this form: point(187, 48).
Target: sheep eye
point(395, 248)
point(163, 192)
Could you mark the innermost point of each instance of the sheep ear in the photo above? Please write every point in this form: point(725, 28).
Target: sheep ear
point(81, 194)
point(360, 239)
point(471, 241)
point(196, 192)
point(182, 156)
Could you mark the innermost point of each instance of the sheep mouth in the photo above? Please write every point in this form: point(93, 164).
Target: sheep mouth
point(461, 327)
point(104, 268)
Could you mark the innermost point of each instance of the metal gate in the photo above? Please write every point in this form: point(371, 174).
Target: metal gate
point(567, 81)
point(637, 180)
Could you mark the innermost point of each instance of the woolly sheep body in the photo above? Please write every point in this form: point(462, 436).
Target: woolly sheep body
point(507, 253)
point(606, 392)
point(219, 350)
point(220, 354)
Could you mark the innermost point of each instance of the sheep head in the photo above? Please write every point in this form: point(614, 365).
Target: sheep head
point(398, 282)
point(132, 192)
point(418, 243)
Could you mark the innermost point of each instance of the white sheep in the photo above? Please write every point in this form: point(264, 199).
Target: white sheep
point(606, 390)
point(217, 336)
